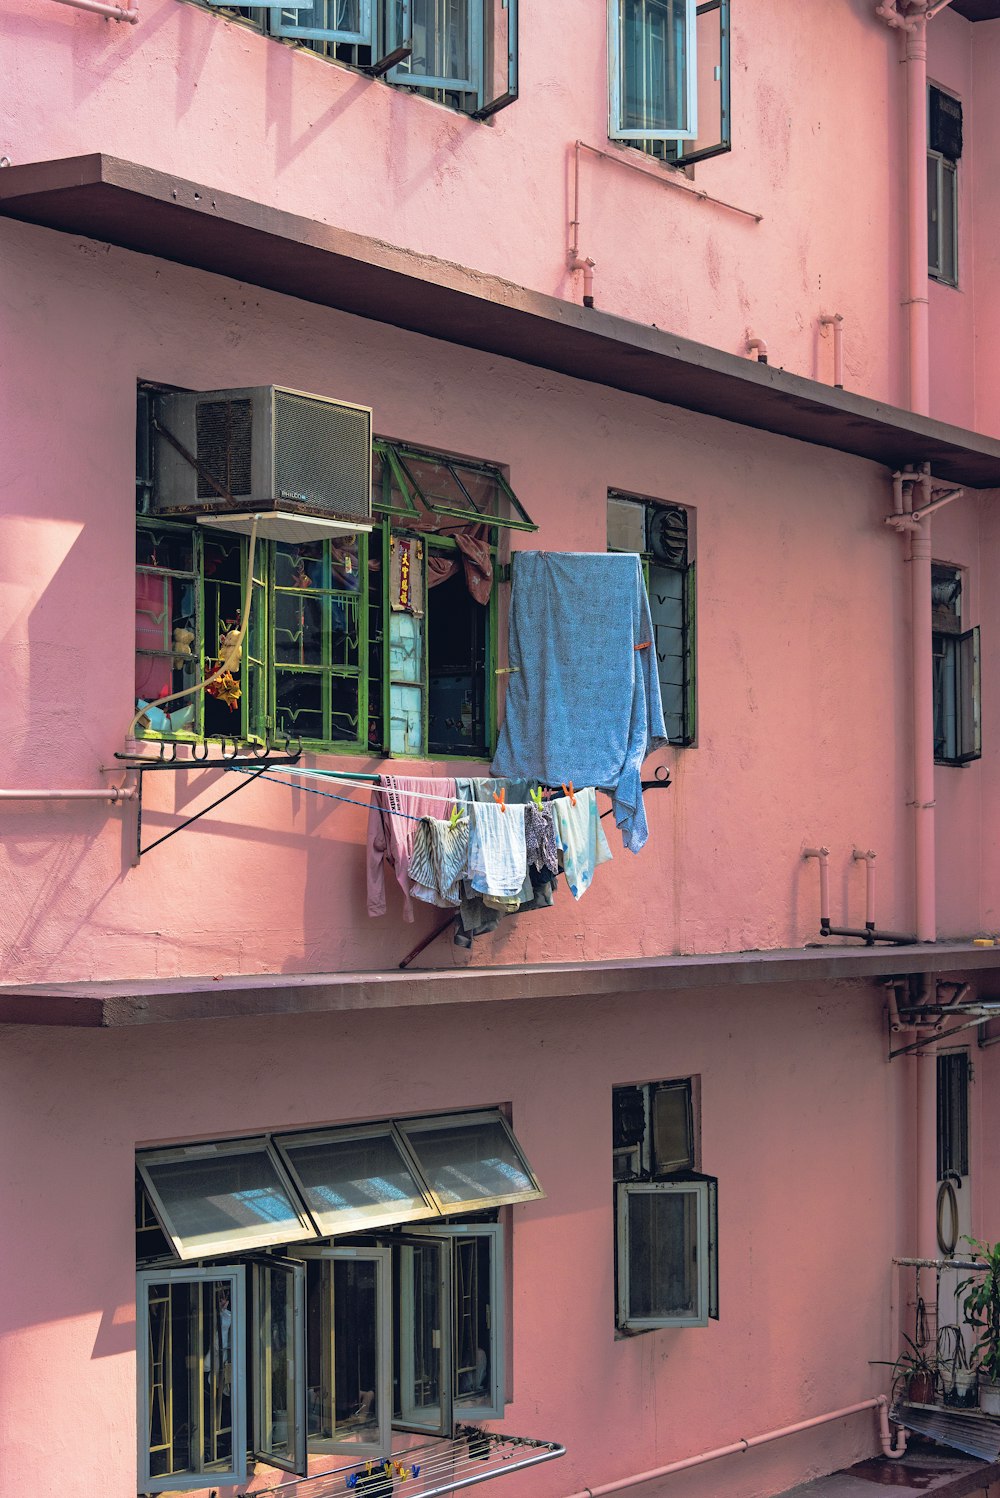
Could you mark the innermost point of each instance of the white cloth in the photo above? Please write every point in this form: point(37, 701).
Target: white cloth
point(581, 837)
point(498, 859)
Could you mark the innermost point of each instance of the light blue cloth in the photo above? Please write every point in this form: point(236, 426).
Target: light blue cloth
point(584, 703)
point(581, 838)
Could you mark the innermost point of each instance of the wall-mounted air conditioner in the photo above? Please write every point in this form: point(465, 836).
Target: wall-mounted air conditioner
point(300, 464)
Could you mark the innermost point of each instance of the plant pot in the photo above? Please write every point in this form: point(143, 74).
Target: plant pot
point(989, 1396)
point(920, 1388)
point(963, 1389)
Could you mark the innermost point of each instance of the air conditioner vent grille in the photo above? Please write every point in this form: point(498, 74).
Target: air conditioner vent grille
point(322, 455)
point(224, 431)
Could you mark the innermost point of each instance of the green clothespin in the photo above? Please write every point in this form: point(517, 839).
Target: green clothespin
point(536, 796)
point(456, 816)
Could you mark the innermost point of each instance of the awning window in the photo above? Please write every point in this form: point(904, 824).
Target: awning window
point(353, 1180)
point(223, 1198)
point(470, 1161)
point(409, 481)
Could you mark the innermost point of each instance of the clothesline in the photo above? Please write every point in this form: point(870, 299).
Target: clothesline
point(315, 791)
point(372, 783)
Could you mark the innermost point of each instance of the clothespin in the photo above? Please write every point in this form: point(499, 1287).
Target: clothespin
point(569, 792)
point(456, 817)
point(536, 796)
point(501, 800)
point(643, 645)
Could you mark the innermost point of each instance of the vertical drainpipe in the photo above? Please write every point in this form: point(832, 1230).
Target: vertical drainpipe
point(915, 43)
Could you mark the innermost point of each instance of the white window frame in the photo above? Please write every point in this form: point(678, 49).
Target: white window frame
point(704, 1249)
point(206, 1476)
point(248, 1239)
point(364, 36)
point(493, 1409)
point(617, 130)
point(475, 10)
point(381, 1258)
point(297, 1459)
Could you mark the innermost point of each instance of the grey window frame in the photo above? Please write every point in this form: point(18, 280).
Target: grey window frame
point(297, 1459)
point(332, 1224)
point(426, 1122)
point(493, 1409)
point(942, 183)
point(205, 1477)
point(247, 1241)
point(705, 1190)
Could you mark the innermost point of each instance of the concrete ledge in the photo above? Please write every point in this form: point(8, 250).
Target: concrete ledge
point(124, 203)
point(233, 996)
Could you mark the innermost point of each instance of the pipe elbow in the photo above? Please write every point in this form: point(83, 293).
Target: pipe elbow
point(892, 1447)
point(588, 266)
point(758, 346)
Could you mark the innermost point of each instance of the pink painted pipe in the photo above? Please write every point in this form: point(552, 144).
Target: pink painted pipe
point(917, 306)
point(868, 857)
point(758, 346)
point(923, 726)
point(823, 855)
point(110, 12)
point(835, 320)
point(890, 1448)
point(111, 793)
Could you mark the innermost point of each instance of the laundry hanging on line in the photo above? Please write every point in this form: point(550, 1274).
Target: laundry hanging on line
point(583, 700)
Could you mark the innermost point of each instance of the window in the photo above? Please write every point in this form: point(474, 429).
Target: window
point(463, 53)
point(335, 1318)
point(669, 77)
point(944, 151)
point(666, 1212)
point(957, 715)
point(661, 534)
point(372, 642)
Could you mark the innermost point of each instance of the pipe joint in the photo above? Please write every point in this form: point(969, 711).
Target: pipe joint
point(758, 346)
point(588, 266)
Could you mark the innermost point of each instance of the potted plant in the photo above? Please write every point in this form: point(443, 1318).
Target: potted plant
point(957, 1375)
point(914, 1374)
point(981, 1306)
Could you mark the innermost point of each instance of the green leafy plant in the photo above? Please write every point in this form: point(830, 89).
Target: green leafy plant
point(913, 1367)
point(981, 1306)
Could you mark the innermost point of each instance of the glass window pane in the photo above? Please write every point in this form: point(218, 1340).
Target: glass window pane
point(279, 1335)
point(211, 1203)
point(933, 218)
point(472, 1163)
point(345, 1351)
point(662, 1254)
point(421, 1280)
point(442, 37)
point(474, 1321)
point(948, 225)
point(193, 1377)
point(653, 51)
point(354, 1181)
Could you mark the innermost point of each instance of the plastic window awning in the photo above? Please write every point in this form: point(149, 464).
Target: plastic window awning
point(353, 1180)
point(470, 1161)
point(223, 1198)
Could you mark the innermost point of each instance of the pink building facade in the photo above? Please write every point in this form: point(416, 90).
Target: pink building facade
point(730, 360)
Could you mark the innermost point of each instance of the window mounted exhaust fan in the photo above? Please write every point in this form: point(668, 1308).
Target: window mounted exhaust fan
point(300, 464)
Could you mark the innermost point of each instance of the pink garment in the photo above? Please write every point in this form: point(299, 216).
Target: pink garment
point(392, 827)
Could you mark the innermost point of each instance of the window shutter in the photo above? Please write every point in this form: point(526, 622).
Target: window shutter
point(970, 728)
point(501, 59)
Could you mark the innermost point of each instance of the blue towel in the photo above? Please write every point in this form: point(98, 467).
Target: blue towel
point(584, 703)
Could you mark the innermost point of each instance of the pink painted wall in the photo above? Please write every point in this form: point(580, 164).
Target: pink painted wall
point(816, 152)
point(804, 1297)
point(801, 648)
point(986, 245)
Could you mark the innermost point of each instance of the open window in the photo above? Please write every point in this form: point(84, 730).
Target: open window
point(278, 1359)
point(666, 1211)
point(356, 1179)
point(944, 151)
point(349, 1350)
point(191, 1354)
point(225, 1198)
point(474, 1324)
point(667, 1252)
point(669, 84)
point(470, 1161)
point(957, 672)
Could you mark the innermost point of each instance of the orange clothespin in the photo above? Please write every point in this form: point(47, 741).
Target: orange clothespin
point(501, 800)
point(568, 791)
point(643, 645)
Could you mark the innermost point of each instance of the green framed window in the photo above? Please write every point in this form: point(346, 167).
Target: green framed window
point(380, 642)
point(662, 534)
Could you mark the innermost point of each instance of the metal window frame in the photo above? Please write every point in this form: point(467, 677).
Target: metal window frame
point(327, 670)
point(725, 141)
point(966, 704)
point(616, 129)
point(493, 1231)
point(330, 1224)
point(362, 37)
point(945, 171)
point(509, 96)
point(298, 1459)
point(400, 452)
point(399, 33)
point(381, 1258)
point(250, 1239)
point(206, 1477)
point(458, 1121)
point(704, 1189)
point(398, 1244)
